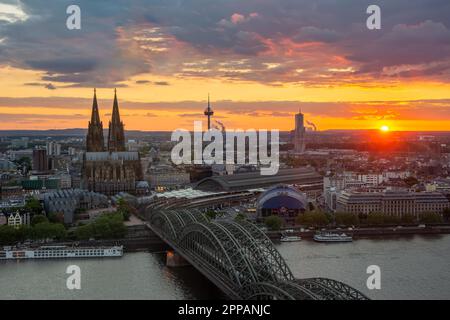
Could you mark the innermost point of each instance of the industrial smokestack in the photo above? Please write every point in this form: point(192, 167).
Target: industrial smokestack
point(312, 124)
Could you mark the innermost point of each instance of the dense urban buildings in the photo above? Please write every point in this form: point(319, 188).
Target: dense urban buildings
point(337, 176)
point(165, 177)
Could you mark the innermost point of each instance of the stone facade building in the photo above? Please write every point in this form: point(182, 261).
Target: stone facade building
point(394, 203)
point(111, 169)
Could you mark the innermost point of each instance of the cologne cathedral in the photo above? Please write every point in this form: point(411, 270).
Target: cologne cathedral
point(109, 169)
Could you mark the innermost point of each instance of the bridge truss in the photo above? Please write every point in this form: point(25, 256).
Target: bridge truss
point(240, 259)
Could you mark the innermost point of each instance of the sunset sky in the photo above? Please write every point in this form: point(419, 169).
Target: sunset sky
point(261, 61)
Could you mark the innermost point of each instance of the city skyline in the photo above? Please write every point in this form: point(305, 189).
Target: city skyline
point(259, 62)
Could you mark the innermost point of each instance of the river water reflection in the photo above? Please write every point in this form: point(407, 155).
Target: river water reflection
point(412, 268)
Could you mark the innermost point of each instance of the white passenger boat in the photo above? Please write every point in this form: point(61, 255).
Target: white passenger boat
point(290, 238)
point(59, 252)
point(332, 237)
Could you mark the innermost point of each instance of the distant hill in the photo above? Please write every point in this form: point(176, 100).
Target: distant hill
point(67, 132)
point(58, 132)
point(83, 132)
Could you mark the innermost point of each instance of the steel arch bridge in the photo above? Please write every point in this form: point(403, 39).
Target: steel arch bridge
point(240, 259)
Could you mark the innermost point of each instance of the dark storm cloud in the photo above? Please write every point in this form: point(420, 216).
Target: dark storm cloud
point(156, 83)
point(162, 83)
point(48, 86)
point(90, 56)
point(63, 65)
point(142, 82)
point(315, 34)
point(276, 37)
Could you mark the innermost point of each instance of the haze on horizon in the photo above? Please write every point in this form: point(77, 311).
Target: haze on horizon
point(261, 61)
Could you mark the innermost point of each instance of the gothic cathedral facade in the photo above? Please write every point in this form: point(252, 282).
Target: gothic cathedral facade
point(109, 169)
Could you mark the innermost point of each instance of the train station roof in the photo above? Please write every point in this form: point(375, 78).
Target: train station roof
point(252, 180)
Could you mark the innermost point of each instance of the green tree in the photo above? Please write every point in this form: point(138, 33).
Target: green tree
point(446, 214)
point(24, 233)
point(211, 214)
point(84, 232)
point(313, 218)
point(408, 218)
point(47, 230)
point(125, 208)
point(23, 162)
point(430, 218)
point(39, 218)
point(273, 222)
point(375, 218)
point(346, 218)
point(107, 226)
point(389, 219)
point(33, 206)
point(42, 230)
point(7, 234)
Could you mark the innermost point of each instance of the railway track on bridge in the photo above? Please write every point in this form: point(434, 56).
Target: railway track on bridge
point(240, 259)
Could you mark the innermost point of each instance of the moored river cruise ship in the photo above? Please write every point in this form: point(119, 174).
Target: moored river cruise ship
point(59, 252)
point(332, 237)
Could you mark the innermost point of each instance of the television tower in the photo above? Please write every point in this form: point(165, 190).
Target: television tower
point(209, 112)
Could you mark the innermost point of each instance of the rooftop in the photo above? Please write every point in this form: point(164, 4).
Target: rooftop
point(252, 180)
point(111, 156)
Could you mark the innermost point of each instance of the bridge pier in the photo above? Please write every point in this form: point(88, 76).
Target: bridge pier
point(173, 259)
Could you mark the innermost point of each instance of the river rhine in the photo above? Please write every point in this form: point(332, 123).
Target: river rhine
point(411, 268)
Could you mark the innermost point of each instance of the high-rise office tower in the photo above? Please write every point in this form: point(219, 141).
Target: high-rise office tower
point(299, 133)
point(40, 160)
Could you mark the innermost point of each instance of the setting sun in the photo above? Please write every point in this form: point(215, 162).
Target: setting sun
point(384, 128)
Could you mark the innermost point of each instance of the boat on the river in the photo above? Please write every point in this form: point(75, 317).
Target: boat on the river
point(59, 252)
point(290, 238)
point(332, 237)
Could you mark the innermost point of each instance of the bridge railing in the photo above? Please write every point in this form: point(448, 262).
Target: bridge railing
point(240, 259)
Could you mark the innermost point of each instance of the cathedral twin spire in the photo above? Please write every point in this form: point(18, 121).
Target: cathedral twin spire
point(116, 134)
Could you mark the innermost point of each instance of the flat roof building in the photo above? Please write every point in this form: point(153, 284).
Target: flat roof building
point(395, 203)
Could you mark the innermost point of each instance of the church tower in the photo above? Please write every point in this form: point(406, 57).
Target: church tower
point(116, 135)
point(94, 139)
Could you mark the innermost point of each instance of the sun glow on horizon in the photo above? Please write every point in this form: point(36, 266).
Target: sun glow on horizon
point(385, 128)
